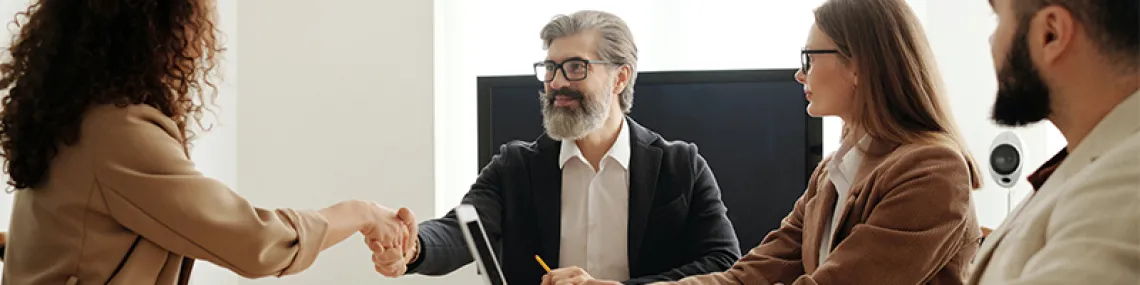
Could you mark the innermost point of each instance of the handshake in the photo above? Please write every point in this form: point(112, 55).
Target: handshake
point(393, 238)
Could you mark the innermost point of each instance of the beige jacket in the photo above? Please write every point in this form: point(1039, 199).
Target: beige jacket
point(1083, 225)
point(909, 220)
point(124, 205)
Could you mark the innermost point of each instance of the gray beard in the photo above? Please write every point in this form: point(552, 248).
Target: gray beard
point(573, 124)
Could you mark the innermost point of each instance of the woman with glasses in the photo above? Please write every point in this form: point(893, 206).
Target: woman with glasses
point(892, 205)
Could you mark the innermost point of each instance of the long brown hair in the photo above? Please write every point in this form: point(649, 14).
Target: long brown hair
point(899, 92)
point(70, 54)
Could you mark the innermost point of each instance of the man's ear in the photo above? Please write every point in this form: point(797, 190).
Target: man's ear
point(622, 78)
point(1056, 32)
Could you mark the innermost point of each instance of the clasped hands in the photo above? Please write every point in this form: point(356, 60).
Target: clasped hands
point(393, 237)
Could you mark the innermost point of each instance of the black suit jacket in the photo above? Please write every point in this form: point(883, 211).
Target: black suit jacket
point(677, 221)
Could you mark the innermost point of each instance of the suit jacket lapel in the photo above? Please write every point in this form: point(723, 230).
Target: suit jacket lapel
point(816, 213)
point(828, 197)
point(644, 165)
point(985, 252)
point(1012, 220)
point(871, 159)
point(546, 179)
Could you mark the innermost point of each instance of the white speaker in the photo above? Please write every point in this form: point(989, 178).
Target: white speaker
point(1006, 161)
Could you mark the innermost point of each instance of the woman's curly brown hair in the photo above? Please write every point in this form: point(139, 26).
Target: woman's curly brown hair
point(71, 54)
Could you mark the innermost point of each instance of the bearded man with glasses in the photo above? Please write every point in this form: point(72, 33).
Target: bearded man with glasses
point(601, 199)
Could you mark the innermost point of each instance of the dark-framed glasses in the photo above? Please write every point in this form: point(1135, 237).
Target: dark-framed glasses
point(574, 69)
point(805, 57)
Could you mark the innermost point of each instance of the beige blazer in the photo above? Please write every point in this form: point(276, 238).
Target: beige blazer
point(1083, 225)
point(909, 220)
point(124, 205)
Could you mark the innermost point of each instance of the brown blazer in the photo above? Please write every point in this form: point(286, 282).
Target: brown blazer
point(124, 205)
point(909, 220)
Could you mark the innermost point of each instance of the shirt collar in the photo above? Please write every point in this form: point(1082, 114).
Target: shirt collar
point(1038, 177)
point(619, 151)
point(845, 154)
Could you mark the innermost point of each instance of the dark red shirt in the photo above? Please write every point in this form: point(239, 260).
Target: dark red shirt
point(1038, 178)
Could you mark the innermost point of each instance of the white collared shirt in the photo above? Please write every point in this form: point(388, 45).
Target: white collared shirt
point(595, 210)
point(841, 171)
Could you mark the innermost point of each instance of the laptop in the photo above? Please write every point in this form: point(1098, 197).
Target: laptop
point(479, 245)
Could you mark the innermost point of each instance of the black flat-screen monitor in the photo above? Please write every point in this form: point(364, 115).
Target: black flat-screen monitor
point(750, 125)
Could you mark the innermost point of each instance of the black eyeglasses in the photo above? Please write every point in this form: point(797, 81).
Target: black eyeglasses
point(574, 69)
point(805, 57)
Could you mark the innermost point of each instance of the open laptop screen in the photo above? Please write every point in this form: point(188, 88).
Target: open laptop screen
point(480, 247)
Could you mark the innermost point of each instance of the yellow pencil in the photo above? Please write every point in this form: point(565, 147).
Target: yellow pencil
point(543, 263)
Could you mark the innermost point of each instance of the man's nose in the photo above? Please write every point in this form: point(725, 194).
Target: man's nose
point(559, 81)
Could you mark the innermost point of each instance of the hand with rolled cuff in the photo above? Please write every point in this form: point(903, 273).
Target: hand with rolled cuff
point(392, 259)
point(573, 276)
point(374, 221)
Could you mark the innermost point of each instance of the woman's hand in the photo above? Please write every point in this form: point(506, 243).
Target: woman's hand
point(392, 260)
point(385, 226)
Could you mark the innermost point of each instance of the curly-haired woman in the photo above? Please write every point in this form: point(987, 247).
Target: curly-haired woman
point(94, 131)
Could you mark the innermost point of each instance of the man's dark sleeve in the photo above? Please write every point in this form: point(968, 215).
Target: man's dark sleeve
point(711, 240)
point(442, 246)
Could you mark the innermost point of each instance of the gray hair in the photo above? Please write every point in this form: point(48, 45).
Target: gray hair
point(616, 44)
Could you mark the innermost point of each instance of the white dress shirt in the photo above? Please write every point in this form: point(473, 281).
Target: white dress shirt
point(595, 210)
point(841, 171)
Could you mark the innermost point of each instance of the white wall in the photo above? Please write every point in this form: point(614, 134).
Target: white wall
point(337, 104)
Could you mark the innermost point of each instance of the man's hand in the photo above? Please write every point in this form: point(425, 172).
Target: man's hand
point(412, 240)
point(573, 276)
point(389, 262)
point(600, 282)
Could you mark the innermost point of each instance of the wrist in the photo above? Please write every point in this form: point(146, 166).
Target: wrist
point(415, 250)
point(418, 257)
point(364, 212)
